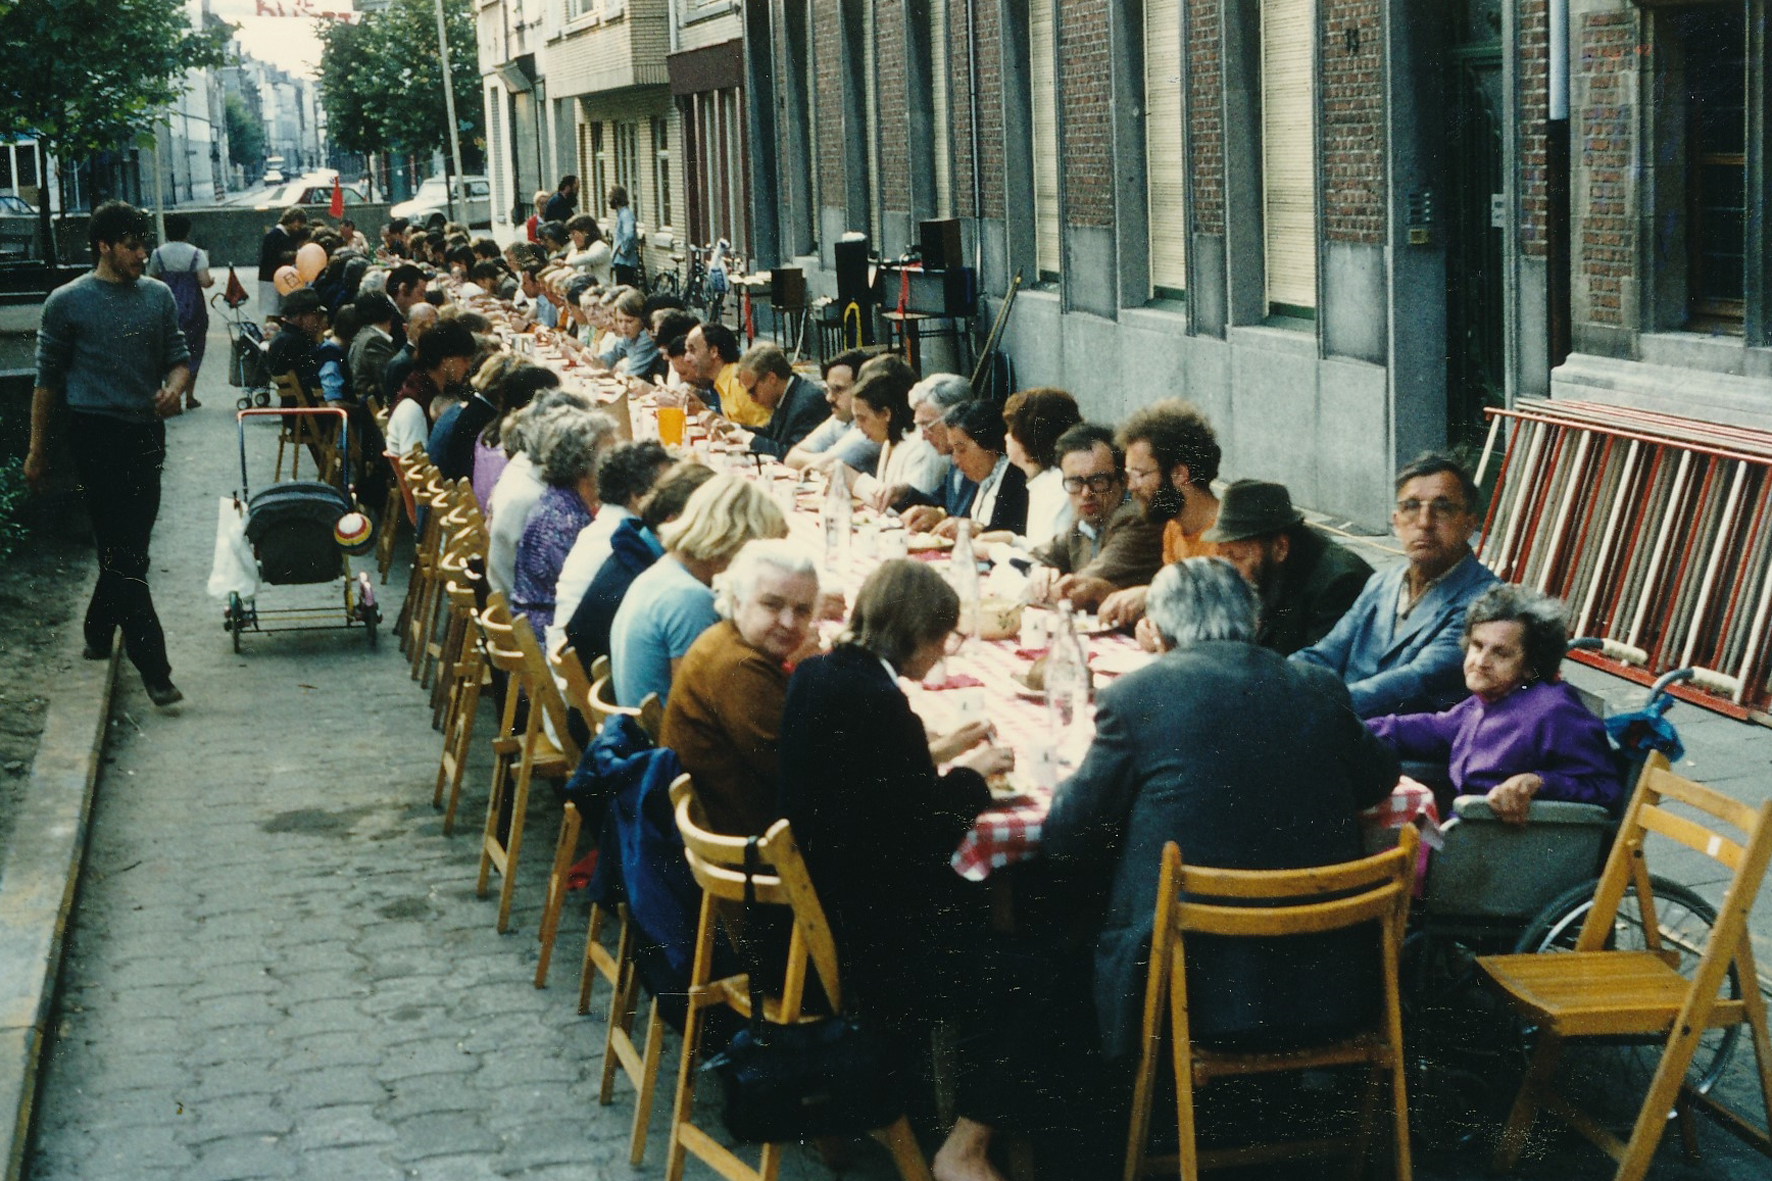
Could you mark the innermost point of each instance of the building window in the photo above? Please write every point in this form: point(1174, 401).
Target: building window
point(661, 170)
point(1288, 156)
point(1165, 148)
point(599, 166)
point(1043, 84)
point(1703, 108)
point(627, 157)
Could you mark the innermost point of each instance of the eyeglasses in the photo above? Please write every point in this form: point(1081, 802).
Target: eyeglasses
point(953, 642)
point(1096, 484)
point(1438, 509)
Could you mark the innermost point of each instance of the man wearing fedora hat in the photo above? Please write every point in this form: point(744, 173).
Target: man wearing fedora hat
point(1305, 581)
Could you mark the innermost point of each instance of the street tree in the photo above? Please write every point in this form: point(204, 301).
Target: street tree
point(83, 76)
point(381, 80)
point(246, 133)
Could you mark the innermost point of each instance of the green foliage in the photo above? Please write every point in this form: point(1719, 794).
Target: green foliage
point(246, 133)
point(85, 75)
point(381, 80)
point(13, 495)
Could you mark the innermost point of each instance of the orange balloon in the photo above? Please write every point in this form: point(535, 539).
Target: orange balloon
point(310, 260)
point(286, 280)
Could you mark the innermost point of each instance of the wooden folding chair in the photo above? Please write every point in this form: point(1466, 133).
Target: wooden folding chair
point(464, 542)
point(521, 751)
point(427, 483)
point(718, 863)
point(466, 679)
point(1600, 990)
point(303, 431)
point(399, 501)
point(1266, 904)
point(426, 591)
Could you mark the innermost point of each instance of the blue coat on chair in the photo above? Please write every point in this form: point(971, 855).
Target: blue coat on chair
point(1413, 665)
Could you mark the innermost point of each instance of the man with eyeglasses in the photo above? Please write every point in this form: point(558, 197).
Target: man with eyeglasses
point(1110, 545)
point(1398, 646)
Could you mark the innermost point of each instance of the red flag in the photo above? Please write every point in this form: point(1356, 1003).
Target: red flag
point(337, 208)
point(236, 292)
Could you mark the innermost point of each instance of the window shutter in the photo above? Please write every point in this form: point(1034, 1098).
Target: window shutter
point(501, 196)
point(942, 123)
point(1165, 148)
point(1288, 137)
point(1043, 62)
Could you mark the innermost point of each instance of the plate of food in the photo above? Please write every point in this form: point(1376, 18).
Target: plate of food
point(923, 543)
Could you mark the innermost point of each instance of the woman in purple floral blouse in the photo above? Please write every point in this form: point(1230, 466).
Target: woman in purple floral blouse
point(569, 466)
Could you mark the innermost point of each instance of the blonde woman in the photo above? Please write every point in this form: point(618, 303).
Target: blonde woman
point(672, 603)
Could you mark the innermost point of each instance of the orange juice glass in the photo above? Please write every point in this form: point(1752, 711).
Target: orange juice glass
point(670, 425)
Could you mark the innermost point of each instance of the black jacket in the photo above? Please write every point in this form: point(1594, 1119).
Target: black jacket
point(876, 822)
point(1011, 510)
point(801, 409)
point(454, 455)
point(632, 551)
point(1318, 583)
point(1249, 762)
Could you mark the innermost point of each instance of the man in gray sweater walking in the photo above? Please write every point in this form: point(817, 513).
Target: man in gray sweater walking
point(110, 347)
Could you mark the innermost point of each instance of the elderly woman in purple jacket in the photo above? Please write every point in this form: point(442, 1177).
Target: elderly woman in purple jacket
point(1523, 733)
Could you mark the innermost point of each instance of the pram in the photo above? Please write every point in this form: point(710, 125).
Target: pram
point(247, 366)
point(303, 532)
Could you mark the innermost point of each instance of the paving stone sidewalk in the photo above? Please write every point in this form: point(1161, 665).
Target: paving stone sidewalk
point(278, 967)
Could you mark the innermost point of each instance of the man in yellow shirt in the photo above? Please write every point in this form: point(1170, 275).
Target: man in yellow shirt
point(712, 351)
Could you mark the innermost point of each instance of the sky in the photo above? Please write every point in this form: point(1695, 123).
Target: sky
point(287, 42)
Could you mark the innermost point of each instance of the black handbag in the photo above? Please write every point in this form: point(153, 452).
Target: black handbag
point(830, 1077)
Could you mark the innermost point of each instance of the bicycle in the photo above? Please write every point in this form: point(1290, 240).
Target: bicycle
point(705, 289)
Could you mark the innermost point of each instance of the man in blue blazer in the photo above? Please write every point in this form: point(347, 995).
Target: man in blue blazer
point(1398, 647)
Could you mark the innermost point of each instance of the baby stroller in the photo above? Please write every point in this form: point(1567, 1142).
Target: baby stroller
point(303, 532)
point(247, 367)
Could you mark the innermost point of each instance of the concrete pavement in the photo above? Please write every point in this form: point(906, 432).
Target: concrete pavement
point(277, 966)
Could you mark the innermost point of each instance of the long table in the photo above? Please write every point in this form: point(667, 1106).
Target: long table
point(985, 679)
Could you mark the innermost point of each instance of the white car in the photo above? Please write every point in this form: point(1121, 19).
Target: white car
point(429, 207)
point(313, 189)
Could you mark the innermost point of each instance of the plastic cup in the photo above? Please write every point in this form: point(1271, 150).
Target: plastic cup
point(670, 425)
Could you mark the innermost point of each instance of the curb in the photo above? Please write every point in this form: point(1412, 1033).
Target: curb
point(42, 876)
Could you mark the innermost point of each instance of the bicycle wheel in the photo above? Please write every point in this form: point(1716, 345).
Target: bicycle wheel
point(1683, 921)
point(664, 283)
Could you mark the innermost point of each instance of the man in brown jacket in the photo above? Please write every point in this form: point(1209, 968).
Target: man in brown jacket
point(724, 714)
point(1109, 545)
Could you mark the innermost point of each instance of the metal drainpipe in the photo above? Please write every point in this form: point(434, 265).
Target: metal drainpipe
point(1557, 152)
point(977, 177)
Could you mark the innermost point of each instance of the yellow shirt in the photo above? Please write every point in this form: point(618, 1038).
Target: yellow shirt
point(1178, 544)
point(736, 402)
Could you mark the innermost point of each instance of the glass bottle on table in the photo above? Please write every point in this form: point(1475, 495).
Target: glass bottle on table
point(963, 566)
point(1067, 675)
point(838, 518)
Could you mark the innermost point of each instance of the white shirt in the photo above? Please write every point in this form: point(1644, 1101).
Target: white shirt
point(519, 486)
point(407, 427)
point(912, 460)
point(985, 502)
point(1049, 508)
point(583, 561)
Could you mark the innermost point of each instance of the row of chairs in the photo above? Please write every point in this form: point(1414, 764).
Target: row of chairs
point(457, 635)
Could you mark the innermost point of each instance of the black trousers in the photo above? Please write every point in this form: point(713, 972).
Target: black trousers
point(119, 468)
point(625, 276)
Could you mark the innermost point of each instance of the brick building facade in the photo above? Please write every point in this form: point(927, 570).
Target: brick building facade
point(1363, 219)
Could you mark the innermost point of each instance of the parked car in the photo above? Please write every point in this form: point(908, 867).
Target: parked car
point(313, 189)
point(18, 227)
point(429, 206)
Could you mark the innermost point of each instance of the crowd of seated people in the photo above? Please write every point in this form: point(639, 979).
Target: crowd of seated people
point(681, 577)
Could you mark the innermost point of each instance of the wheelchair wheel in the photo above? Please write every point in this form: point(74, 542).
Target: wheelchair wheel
point(1683, 920)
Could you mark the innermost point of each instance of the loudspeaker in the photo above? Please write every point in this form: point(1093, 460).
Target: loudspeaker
point(852, 270)
point(787, 288)
point(939, 243)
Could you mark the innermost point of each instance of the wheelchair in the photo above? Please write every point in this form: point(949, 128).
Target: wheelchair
point(1493, 887)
